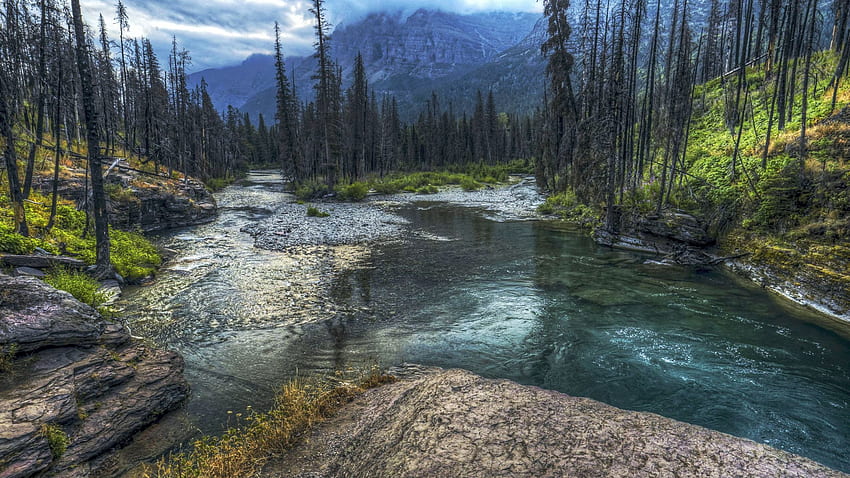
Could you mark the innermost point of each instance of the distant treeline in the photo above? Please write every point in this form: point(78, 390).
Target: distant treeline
point(343, 136)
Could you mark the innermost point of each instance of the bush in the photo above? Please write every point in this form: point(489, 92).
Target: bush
point(81, 286)
point(427, 190)
point(217, 184)
point(133, 256)
point(469, 184)
point(314, 212)
point(15, 243)
point(352, 192)
point(311, 190)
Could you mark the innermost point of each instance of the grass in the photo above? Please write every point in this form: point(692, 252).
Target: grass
point(82, 286)
point(315, 212)
point(566, 206)
point(57, 439)
point(133, 256)
point(352, 192)
point(256, 437)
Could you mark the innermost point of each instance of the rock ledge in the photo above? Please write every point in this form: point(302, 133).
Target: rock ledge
point(78, 372)
point(453, 423)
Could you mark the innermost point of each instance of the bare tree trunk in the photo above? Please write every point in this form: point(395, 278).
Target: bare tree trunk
point(101, 220)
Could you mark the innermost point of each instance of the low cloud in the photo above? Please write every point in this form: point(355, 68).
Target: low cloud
point(224, 32)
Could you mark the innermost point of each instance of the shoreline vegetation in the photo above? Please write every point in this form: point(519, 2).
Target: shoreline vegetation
point(254, 438)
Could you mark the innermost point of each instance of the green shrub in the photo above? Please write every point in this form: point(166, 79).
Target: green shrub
point(314, 212)
point(56, 438)
point(83, 287)
point(311, 190)
point(133, 256)
point(469, 184)
point(15, 243)
point(427, 190)
point(352, 192)
point(217, 184)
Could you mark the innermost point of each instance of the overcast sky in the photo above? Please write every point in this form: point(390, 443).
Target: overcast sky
point(225, 32)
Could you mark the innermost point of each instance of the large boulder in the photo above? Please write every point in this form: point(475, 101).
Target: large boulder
point(454, 423)
point(77, 375)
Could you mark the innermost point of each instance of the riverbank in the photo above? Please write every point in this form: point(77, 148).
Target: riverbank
point(812, 274)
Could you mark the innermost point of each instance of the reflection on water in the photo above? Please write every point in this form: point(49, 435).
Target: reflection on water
point(521, 300)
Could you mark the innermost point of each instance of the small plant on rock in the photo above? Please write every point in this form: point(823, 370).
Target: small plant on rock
point(7, 356)
point(57, 439)
point(83, 287)
point(315, 212)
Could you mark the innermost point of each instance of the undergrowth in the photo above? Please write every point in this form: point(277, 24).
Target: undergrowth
point(256, 437)
point(470, 177)
point(133, 256)
point(315, 212)
point(7, 356)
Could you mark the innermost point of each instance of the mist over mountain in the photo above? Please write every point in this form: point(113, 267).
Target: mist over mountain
point(414, 55)
point(408, 57)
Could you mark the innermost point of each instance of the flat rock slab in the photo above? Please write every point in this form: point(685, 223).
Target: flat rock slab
point(456, 424)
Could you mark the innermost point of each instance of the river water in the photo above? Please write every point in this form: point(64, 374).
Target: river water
point(524, 300)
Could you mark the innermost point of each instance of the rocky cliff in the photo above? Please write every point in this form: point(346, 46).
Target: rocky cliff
point(453, 423)
point(73, 386)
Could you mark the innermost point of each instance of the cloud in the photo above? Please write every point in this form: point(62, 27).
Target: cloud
point(224, 32)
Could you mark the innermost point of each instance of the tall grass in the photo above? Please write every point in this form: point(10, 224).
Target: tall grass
point(246, 447)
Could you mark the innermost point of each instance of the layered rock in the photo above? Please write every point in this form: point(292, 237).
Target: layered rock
point(76, 375)
point(140, 201)
point(454, 423)
point(678, 237)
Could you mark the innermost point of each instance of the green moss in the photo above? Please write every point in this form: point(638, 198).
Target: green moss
point(57, 439)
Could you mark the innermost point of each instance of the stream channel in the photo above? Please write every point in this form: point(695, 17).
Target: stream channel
point(476, 289)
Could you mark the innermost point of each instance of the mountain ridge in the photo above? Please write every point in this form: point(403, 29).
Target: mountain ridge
point(405, 56)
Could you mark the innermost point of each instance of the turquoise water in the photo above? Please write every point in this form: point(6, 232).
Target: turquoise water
point(528, 301)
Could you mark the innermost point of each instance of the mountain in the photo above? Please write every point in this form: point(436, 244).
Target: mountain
point(405, 56)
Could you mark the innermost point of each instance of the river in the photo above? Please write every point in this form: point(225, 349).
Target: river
point(529, 301)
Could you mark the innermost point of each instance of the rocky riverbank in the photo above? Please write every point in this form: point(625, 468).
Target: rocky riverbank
point(679, 238)
point(74, 386)
point(445, 423)
point(373, 219)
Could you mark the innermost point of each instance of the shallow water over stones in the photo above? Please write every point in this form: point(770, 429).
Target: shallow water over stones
point(478, 288)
